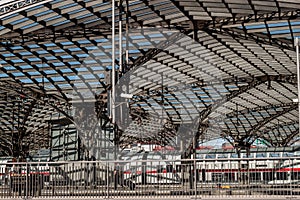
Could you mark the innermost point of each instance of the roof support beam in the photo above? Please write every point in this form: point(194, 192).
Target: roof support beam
point(231, 26)
point(211, 33)
point(284, 138)
point(205, 113)
point(255, 129)
point(181, 9)
point(290, 139)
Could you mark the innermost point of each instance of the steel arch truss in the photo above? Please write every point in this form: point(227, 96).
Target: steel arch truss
point(196, 60)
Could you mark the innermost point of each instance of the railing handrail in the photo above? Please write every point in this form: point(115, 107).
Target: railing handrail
point(211, 178)
point(156, 160)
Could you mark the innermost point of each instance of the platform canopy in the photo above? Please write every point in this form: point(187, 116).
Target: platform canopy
point(195, 69)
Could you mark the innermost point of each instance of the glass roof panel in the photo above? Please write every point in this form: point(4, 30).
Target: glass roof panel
point(17, 60)
point(10, 16)
point(19, 21)
point(68, 6)
point(52, 18)
point(43, 13)
point(17, 74)
point(29, 25)
point(61, 23)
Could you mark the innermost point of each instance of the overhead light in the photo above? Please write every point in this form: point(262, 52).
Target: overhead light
point(295, 100)
point(127, 96)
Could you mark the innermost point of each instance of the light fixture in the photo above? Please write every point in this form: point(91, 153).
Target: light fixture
point(127, 96)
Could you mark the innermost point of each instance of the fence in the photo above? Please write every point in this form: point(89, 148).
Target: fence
point(153, 178)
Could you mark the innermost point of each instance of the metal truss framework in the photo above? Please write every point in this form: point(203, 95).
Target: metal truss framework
point(8, 7)
point(235, 61)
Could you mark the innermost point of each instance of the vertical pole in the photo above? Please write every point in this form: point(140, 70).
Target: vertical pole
point(127, 33)
point(113, 108)
point(107, 179)
point(26, 183)
point(195, 177)
point(162, 107)
point(298, 80)
point(239, 164)
point(298, 76)
point(120, 111)
point(13, 128)
point(120, 37)
point(113, 65)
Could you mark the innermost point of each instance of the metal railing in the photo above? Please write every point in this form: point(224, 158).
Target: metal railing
point(152, 178)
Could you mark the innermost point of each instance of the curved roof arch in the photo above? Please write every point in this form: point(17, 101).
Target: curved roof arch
point(234, 58)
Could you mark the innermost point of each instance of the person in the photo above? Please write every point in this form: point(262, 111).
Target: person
point(6, 175)
point(16, 183)
point(116, 178)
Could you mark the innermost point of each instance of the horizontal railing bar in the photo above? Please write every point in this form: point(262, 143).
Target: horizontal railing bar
point(162, 160)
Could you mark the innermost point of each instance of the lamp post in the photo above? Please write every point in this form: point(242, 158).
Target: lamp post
point(113, 64)
point(298, 77)
point(113, 82)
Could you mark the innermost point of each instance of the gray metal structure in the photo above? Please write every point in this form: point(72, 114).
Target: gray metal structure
point(237, 57)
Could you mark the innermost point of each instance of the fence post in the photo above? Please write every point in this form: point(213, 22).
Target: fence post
point(107, 180)
point(291, 177)
point(26, 183)
point(195, 178)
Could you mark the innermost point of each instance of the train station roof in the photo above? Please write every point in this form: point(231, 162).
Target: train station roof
point(198, 68)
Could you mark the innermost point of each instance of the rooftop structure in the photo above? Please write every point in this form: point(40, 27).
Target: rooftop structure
point(196, 70)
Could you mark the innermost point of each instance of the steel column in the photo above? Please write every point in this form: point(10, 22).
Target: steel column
point(298, 75)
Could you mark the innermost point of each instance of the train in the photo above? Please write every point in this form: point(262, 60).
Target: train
point(273, 166)
point(35, 164)
point(151, 167)
point(258, 165)
point(287, 174)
